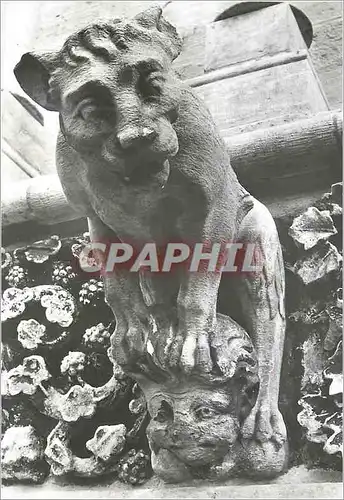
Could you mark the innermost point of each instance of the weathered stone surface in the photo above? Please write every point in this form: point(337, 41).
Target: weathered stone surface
point(106, 445)
point(325, 51)
point(22, 455)
point(190, 63)
point(314, 359)
point(189, 13)
point(320, 324)
point(299, 159)
point(292, 378)
point(252, 36)
point(269, 97)
point(27, 136)
point(298, 483)
point(320, 11)
point(327, 56)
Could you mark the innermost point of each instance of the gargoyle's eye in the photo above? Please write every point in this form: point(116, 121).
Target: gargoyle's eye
point(150, 85)
point(204, 412)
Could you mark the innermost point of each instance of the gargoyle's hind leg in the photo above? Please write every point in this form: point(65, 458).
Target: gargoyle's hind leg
point(262, 297)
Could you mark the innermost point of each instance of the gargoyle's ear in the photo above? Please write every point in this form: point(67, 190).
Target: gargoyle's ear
point(33, 72)
point(152, 19)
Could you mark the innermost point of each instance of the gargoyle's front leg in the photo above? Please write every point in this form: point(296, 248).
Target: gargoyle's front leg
point(197, 297)
point(124, 296)
point(196, 307)
point(262, 298)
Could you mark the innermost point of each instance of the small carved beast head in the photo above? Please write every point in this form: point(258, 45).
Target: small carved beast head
point(114, 88)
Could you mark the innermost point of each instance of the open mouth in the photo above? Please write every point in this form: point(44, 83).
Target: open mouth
point(156, 172)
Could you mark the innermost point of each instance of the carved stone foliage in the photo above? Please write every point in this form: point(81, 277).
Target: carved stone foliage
point(314, 260)
point(67, 408)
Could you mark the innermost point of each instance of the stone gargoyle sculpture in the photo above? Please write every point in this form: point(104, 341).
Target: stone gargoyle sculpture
point(138, 154)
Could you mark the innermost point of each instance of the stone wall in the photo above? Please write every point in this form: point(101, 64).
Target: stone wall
point(56, 19)
point(43, 25)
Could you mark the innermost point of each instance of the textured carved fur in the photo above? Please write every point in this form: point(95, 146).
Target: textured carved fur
point(140, 156)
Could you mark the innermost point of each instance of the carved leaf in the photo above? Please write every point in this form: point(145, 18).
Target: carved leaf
point(60, 305)
point(6, 260)
point(30, 333)
point(108, 441)
point(312, 421)
point(318, 264)
point(41, 251)
point(335, 442)
point(10, 310)
point(73, 363)
point(332, 201)
point(57, 452)
point(337, 193)
point(28, 376)
point(311, 227)
point(77, 403)
point(334, 371)
point(14, 301)
point(335, 329)
point(77, 247)
point(97, 337)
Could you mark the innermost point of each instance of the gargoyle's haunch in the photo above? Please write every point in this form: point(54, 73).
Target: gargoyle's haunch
point(140, 156)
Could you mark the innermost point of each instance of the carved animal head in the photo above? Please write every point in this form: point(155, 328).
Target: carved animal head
point(195, 422)
point(197, 418)
point(114, 89)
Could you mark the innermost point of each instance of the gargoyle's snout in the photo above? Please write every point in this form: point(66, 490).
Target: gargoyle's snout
point(133, 137)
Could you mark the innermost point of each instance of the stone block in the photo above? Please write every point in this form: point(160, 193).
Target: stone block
point(252, 36)
point(319, 11)
point(327, 56)
point(264, 98)
point(190, 62)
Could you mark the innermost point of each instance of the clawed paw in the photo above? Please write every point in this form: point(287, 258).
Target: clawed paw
point(188, 358)
point(264, 424)
point(190, 352)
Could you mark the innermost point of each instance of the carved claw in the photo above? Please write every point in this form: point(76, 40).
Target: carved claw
point(190, 352)
point(188, 355)
point(264, 424)
point(173, 352)
point(128, 344)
